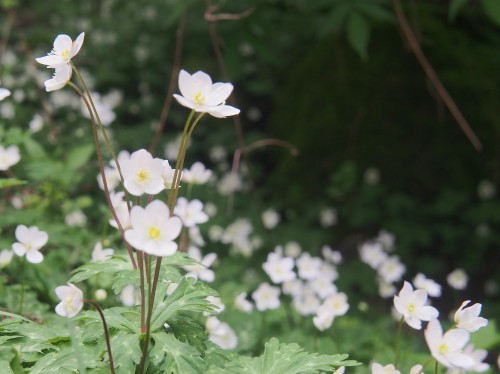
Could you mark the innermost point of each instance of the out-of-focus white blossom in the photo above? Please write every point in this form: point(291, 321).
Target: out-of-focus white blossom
point(458, 279)
point(9, 156)
point(468, 318)
point(76, 218)
point(432, 288)
point(29, 242)
point(71, 300)
point(266, 297)
point(328, 217)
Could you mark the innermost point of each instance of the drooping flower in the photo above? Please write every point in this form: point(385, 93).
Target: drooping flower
point(71, 300)
point(432, 288)
point(5, 257)
point(153, 230)
point(30, 240)
point(447, 348)
point(199, 94)
point(468, 318)
point(61, 77)
point(142, 173)
point(9, 156)
point(62, 53)
point(411, 305)
point(221, 333)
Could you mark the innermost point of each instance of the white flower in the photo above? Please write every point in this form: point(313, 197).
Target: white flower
point(293, 249)
point(387, 239)
point(217, 303)
point(168, 174)
point(61, 77)
point(71, 300)
point(486, 190)
point(270, 218)
point(371, 176)
point(62, 53)
point(306, 304)
point(241, 303)
point(279, 269)
point(411, 304)
point(30, 240)
point(468, 318)
point(337, 304)
point(294, 287)
point(373, 254)
point(121, 210)
point(447, 348)
point(199, 94)
point(4, 93)
point(417, 369)
point(76, 219)
point(335, 257)
point(229, 183)
point(308, 267)
point(100, 294)
point(130, 296)
point(5, 257)
point(36, 124)
point(190, 212)
point(385, 289)
point(200, 270)
point(323, 320)
point(142, 173)
point(9, 156)
point(153, 230)
point(392, 269)
point(478, 356)
point(328, 217)
point(100, 254)
point(387, 369)
point(322, 286)
point(198, 174)
point(104, 106)
point(266, 297)
point(221, 333)
point(458, 279)
point(432, 288)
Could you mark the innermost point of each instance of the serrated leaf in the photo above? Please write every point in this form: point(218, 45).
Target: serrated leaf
point(110, 266)
point(11, 182)
point(187, 329)
point(288, 359)
point(358, 34)
point(189, 295)
point(15, 316)
point(177, 357)
point(492, 9)
point(126, 351)
point(454, 8)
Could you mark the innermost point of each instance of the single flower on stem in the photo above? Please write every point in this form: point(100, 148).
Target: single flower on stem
point(29, 242)
point(153, 230)
point(62, 53)
point(412, 306)
point(61, 77)
point(142, 173)
point(468, 318)
point(71, 300)
point(199, 94)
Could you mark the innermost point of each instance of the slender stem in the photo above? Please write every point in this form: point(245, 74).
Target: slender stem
point(103, 131)
point(76, 348)
point(21, 300)
point(143, 295)
point(436, 367)
point(103, 174)
point(106, 332)
point(398, 339)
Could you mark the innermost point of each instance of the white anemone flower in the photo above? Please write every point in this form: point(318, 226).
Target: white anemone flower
point(9, 156)
point(198, 174)
point(266, 297)
point(191, 212)
point(422, 282)
point(458, 279)
point(279, 269)
point(387, 369)
point(221, 333)
point(4, 93)
point(62, 75)
point(30, 240)
point(199, 94)
point(468, 318)
point(5, 257)
point(241, 303)
point(71, 300)
point(153, 230)
point(142, 173)
point(62, 53)
point(447, 348)
point(101, 254)
point(412, 305)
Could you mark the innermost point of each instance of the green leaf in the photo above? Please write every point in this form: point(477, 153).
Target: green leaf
point(358, 34)
point(79, 156)
point(455, 6)
point(34, 149)
point(187, 329)
point(177, 357)
point(492, 9)
point(110, 266)
point(11, 182)
point(15, 316)
point(288, 359)
point(487, 337)
point(189, 295)
point(126, 350)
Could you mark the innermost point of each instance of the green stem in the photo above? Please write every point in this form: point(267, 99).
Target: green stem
point(106, 332)
point(76, 348)
point(436, 367)
point(21, 300)
point(398, 343)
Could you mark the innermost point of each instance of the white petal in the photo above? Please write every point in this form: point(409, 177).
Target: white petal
point(223, 111)
point(185, 102)
point(220, 93)
point(62, 42)
point(35, 257)
point(77, 45)
point(19, 249)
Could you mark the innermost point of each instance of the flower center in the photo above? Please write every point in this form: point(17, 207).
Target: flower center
point(65, 54)
point(443, 348)
point(153, 233)
point(411, 308)
point(142, 176)
point(199, 98)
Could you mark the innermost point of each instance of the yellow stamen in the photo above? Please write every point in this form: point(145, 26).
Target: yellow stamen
point(153, 233)
point(199, 98)
point(142, 176)
point(65, 54)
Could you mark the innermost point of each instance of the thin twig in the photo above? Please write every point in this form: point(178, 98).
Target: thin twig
point(211, 17)
point(433, 77)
